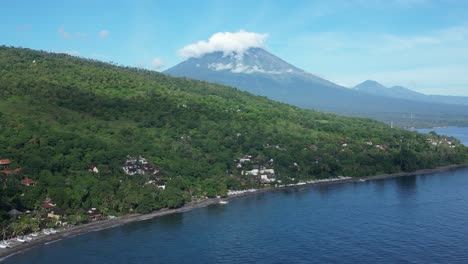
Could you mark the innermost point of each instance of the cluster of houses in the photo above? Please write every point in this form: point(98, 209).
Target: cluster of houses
point(443, 141)
point(6, 171)
point(139, 165)
point(60, 216)
point(158, 182)
point(243, 160)
point(278, 147)
point(5, 167)
point(264, 173)
point(379, 146)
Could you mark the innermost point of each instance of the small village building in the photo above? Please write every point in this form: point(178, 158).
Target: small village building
point(93, 214)
point(159, 183)
point(47, 204)
point(56, 213)
point(253, 172)
point(4, 164)
point(9, 172)
point(268, 171)
point(264, 179)
point(313, 147)
point(28, 182)
point(93, 168)
point(14, 213)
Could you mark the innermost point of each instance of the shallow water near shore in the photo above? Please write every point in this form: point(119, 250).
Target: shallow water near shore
point(413, 219)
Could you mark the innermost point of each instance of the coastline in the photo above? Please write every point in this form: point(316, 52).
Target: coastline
point(109, 223)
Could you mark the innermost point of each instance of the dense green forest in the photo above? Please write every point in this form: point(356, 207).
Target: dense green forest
point(60, 114)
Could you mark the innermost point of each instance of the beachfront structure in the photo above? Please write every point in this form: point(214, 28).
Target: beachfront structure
point(94, 214)
point(56, 213)
point(265, 179)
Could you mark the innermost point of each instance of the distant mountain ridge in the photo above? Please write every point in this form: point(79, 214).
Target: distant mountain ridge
point(375, 88)
point(260, 72)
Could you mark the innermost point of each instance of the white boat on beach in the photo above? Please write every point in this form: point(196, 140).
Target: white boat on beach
point(223, 202)
point(19, 239)
point(46, 232)
point(34, 234)
point(5, 245)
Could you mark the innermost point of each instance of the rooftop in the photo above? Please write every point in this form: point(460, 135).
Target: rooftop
point(5, 162)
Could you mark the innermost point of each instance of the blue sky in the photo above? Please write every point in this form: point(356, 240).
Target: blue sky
point(421, 44)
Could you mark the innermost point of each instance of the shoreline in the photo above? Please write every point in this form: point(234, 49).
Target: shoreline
point(130, 218)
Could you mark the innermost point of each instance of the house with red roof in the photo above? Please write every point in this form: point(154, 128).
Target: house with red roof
point(94, 214)
point(4, 164)
point(47, 204)
point(28, 182)
point(9, 172)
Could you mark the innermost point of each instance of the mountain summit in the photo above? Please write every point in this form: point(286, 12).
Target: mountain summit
point(259, 72)
point(244, 69)
point(252, 61)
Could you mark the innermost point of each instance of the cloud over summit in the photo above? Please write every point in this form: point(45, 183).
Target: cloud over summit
point(226, 42)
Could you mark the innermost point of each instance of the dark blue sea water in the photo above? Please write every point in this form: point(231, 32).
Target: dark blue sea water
point(417, 219)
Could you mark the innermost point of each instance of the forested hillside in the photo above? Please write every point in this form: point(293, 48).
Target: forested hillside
point(62, 115)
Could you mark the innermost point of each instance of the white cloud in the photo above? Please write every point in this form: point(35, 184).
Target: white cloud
point(156, 63)
point(64, 33)
point(104, 33)
point(226, 42)
point(67, 35)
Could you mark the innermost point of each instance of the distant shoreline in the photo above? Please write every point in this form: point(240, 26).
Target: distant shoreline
point(109, 223)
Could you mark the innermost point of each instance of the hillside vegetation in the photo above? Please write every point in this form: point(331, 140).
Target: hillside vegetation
point(61, 114)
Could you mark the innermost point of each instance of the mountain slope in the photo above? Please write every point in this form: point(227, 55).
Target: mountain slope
point(375, 88)
point(262, 73)
point(61, 115)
